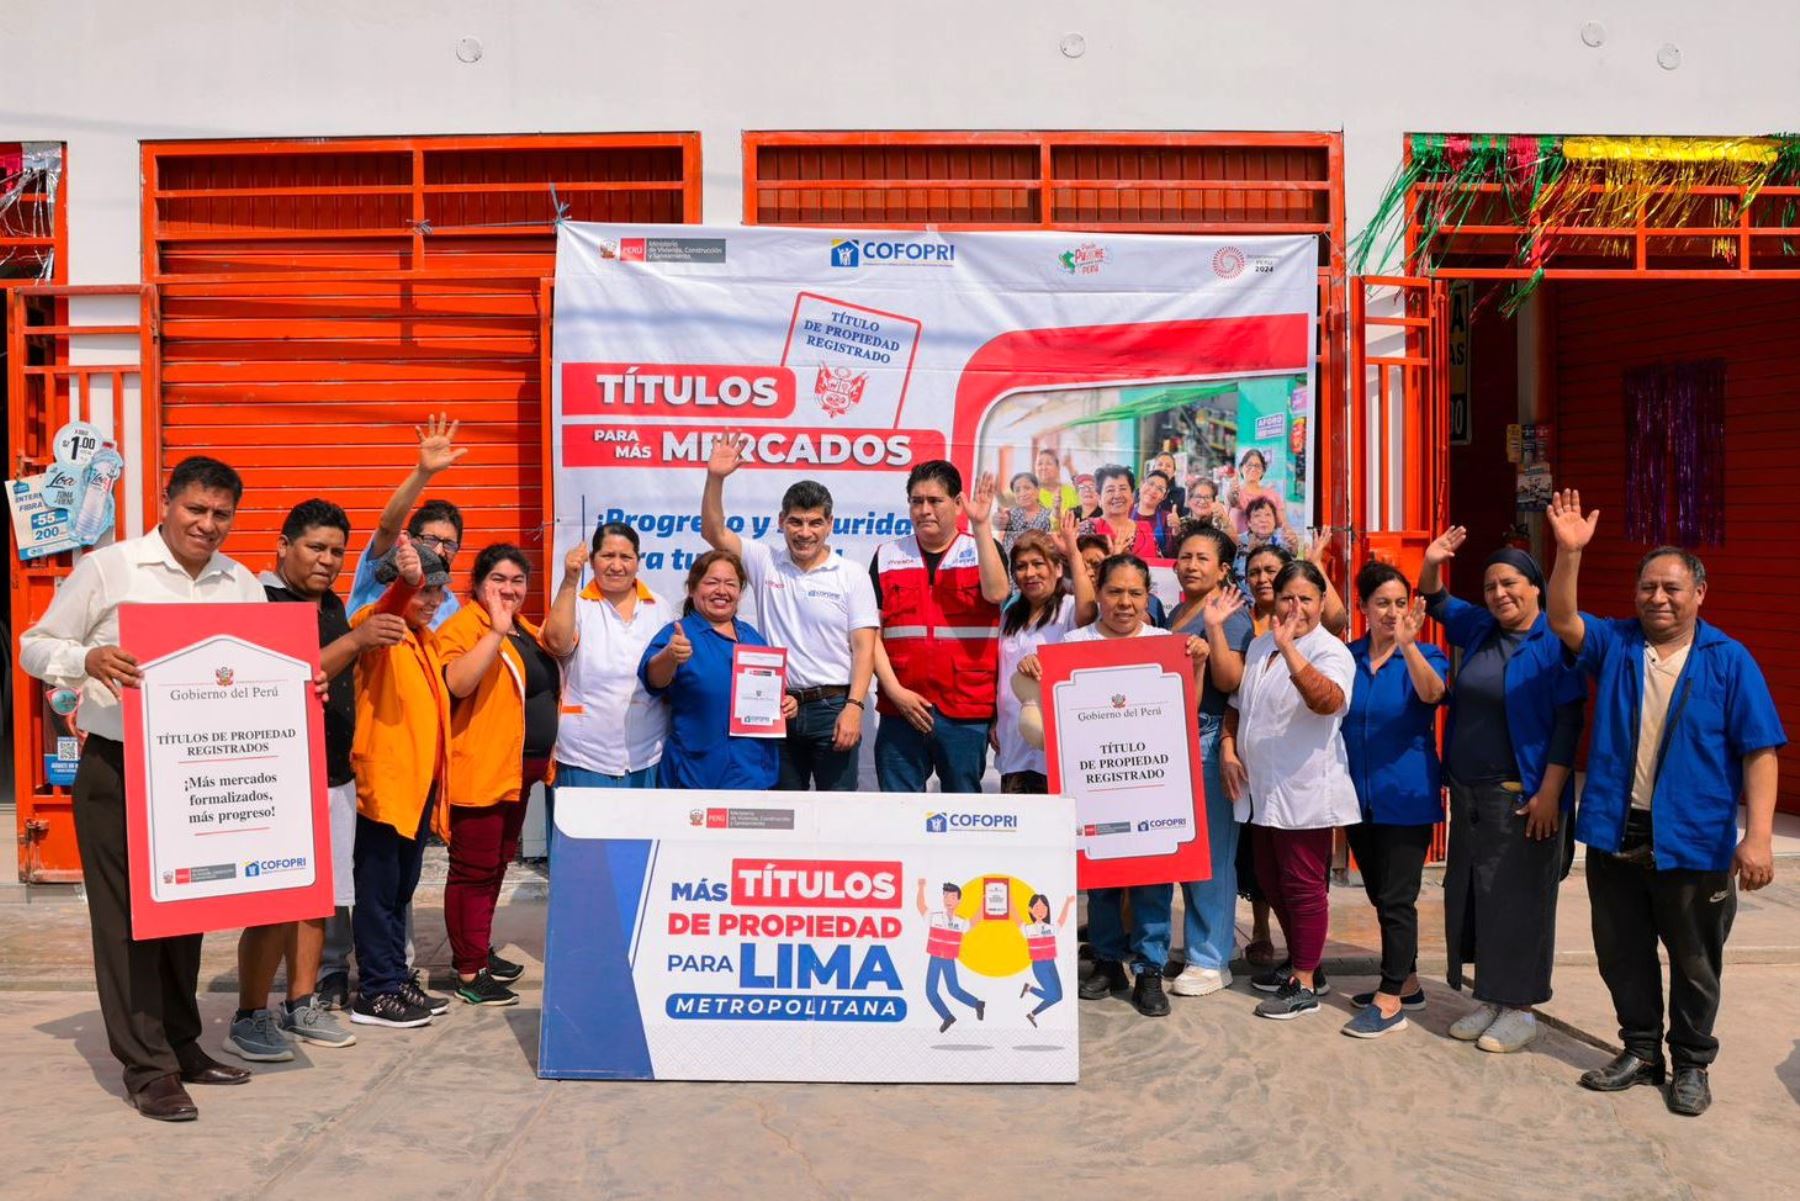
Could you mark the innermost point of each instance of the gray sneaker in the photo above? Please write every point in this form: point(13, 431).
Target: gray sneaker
point(258, 1038)
point(1473, 1024)
point(1513, 1030)
point(311, 1023)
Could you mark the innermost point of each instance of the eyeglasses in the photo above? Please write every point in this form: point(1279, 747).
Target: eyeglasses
point(446, 546)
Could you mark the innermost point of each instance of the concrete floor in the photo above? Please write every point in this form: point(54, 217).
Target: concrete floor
point(1210, 1100)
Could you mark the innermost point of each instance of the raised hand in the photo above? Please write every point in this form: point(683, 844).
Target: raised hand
point(1321, 546)
point(979, 504)
point(1219, 607)
point(500, 610)
point(406, 560)
point(1122, 544)
point(680, 647)
point(1284, 627)
point(437, 443)
point(1410, 622)
point(727, 454)
point(574, 563)
point(1572, 530)
point(1069, 526)
point(1443, 548)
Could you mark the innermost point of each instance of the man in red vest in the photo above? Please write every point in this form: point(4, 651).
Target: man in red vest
point(940, 592)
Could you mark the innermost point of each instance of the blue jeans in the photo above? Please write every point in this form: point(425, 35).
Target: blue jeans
point(955, 749)
point(808, 758)
point(945, 970)
point(1048, 986)
point(1148, 947)
point(1210, 923)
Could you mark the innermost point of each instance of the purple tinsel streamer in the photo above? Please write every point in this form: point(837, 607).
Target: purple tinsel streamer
point(1696, 410)
point(1646, 453)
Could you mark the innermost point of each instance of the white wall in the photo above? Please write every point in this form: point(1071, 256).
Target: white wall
point(103, 74)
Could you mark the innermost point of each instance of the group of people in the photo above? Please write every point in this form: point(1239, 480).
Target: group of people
point(443, 712)
point(1147, 517)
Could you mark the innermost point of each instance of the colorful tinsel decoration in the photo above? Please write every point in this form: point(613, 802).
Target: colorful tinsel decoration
point(1545, 187)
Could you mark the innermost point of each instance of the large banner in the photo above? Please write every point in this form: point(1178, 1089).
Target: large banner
point(810, 936)
point(851, 356)
point(226, 810)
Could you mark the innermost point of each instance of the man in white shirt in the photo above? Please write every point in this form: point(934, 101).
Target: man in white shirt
point(813, 602)
point(147, 986)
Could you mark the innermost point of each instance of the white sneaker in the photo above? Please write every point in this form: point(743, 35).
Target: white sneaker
point(1513, 1030)
point(1473, 1024)
point(1197, 981)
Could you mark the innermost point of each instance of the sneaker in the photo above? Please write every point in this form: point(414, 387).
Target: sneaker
point(1197, 981)
point(1512, 1031)
point(388, 1009)
point(311, 1023)
point(1291, 1001)
point(333, 990)
point(411, 990)
point(1369, 1022)
point(258, 1038)
point(1147, 995)
point(503, 970)
point(485, 990)
point(1473, 1024)
point(1108, 978)
point(1277, 976)
point(1412, 1000)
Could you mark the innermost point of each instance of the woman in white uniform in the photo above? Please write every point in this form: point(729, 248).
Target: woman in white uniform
point(1054, 595)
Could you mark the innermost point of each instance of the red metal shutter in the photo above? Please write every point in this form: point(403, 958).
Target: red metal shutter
point(1604, 328)
point(319, 298)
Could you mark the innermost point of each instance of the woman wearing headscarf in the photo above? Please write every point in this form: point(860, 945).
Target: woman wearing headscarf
point(1515, 720)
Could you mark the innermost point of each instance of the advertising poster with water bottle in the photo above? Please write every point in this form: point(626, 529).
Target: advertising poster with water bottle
point(70, 505)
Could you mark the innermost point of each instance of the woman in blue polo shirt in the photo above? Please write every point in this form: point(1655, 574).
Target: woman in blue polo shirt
point(1515, 722)
point(1390, 736)
point(688, 664)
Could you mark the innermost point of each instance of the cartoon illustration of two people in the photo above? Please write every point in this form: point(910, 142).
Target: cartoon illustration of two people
point(944, 944)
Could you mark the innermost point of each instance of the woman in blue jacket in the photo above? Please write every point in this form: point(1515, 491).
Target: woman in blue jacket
point(688, 663)
point(1515, 721)
point(1390, 736)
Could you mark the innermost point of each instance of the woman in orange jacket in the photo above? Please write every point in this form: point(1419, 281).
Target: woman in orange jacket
point(400, 756)
point(504, 687)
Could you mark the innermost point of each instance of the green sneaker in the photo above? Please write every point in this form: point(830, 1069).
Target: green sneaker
point(485, 990)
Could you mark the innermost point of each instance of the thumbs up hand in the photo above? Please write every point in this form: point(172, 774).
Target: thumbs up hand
point(680, 647)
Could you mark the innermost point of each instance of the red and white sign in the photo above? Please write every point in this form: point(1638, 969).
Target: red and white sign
point(226, 813)
point(758, 684)
point(1121, 737)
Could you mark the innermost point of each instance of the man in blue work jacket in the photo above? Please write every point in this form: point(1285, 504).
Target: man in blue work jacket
point(1684, 727)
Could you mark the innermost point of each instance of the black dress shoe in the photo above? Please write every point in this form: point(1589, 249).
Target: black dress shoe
point(1108, 978)
point(1689, 1094)
point(164, 1100)
point(202, 1068)
point(1624, 1071)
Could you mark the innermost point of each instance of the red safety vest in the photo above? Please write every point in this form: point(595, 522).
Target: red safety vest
point(1041, 945)
point(942, 636)
point(943, 942)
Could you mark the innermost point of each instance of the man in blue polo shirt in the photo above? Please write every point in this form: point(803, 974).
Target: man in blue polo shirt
point(1684, 728)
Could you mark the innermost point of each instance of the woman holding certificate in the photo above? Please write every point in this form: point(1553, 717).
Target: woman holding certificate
point(1124, 595)
point(693, 666)
point(1283, 751)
